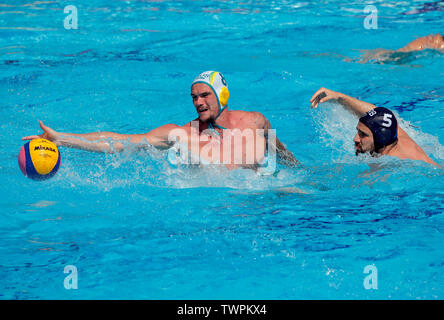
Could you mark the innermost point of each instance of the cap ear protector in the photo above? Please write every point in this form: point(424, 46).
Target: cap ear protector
point(383, 125)
point(223, 97)
point(216, 81)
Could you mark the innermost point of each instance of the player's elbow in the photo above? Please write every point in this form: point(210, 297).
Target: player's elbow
point(261, 121)
point(164, 136)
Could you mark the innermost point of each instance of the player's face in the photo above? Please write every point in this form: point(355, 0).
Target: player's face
point(205, 101)
point(363, 139)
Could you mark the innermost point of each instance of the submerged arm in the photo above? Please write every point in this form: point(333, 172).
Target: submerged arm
point(281, 150)
point(286, 154)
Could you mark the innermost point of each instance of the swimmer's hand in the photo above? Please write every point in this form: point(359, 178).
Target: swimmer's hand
point(323, 95)
point(48, 134)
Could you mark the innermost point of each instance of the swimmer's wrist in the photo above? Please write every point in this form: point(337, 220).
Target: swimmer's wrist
point(341, 98)
point(68, 140)
point(78, 141)
point(63, 139)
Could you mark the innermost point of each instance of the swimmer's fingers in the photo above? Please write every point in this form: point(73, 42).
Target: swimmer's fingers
point(315, 103)
point(35, 136)
point(324, 99)
point(323, 95)
point(319, 97)
point(48, 134)
point(31, 137)
point(45, 128)
point(316, 94)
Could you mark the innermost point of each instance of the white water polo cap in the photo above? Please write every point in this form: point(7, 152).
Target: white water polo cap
point(216, 81)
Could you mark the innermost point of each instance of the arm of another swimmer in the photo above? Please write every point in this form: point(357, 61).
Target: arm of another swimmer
point(355, 106)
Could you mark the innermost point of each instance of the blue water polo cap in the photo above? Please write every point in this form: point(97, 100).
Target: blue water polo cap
point(384, 126)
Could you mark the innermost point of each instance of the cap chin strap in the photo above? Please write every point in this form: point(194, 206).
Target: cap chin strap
point(212, 124)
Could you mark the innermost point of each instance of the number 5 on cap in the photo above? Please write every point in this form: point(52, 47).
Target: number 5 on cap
point(387, 121)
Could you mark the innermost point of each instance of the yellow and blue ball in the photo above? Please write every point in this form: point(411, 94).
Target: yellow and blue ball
point(39, 159)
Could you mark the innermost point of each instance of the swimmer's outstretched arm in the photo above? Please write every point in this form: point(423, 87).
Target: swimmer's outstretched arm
point(106, 141)
point(355, 106)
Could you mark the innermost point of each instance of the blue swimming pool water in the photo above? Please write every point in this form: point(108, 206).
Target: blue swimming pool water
point(136, 227)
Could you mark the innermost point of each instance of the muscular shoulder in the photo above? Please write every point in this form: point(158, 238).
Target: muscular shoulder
point(410, 149)
point(251, 119)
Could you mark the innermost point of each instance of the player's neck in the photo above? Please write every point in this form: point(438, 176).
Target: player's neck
point(224, 118)
point(391, 149)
